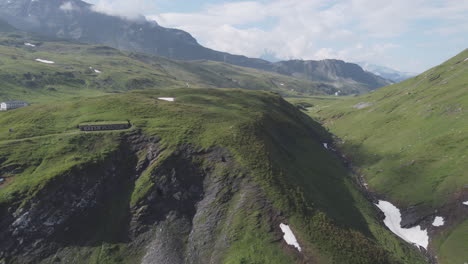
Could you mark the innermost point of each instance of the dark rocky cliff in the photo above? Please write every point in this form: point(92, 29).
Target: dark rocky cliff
point(177, 220)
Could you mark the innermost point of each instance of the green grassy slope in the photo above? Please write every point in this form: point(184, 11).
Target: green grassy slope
point(410, 142)
point(278, 146)
point(74, 72)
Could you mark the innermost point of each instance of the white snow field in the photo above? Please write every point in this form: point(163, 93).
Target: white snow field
point(438, 221)
point(169, 99)
point(392, 220)
point(45, 61)
point(289, 236)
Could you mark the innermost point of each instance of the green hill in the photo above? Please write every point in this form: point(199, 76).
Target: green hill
point(36, 69)
point(209, 177)
point(409, 141)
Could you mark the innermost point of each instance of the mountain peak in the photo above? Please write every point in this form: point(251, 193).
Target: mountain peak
point(77, 20)
point(386, 72)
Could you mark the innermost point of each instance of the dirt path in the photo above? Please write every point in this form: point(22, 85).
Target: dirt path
point(56, 134)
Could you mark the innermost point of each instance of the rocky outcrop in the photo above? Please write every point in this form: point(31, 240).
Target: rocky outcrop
point(68, 210)
point(177, 220)
point(342, 74)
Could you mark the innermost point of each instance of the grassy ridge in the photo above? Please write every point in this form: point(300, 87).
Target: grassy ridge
point(409, 134)
point(86, 70)
point(410, 142)
point(280, 147)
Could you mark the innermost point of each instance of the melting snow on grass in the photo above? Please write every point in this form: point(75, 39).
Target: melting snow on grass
point(289, 237)
point(392, 220)
point(466, 59)
point(438, 221)
point(96, 71)
point(169, 99)
point(29, 44)
point(45, 61)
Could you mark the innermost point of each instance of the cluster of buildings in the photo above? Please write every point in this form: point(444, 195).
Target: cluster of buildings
point(10, 105)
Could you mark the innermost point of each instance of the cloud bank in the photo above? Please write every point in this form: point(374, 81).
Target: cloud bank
point(129, 9)
point(353, 30)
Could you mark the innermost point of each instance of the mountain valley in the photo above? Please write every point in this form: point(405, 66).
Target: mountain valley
point(135, 144)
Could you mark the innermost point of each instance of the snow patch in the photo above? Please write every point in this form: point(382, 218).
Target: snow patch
point(289, 237)
point(465, 203)
point(338, 93)
point(392, 220)
point(438, 221)
point(325, 145)
point(169, 99)
point(29, 44)
point(466, 59)
point(96, 71)
point(45, 61)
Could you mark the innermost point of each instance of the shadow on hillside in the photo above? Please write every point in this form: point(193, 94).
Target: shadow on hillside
point(321, 174)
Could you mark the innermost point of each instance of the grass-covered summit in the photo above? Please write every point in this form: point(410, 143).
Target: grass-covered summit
point(209, 177)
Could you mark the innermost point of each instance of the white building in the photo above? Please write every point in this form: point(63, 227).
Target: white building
point(4, 106)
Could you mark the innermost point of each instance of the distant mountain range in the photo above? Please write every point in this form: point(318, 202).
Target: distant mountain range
point(343, 75)
point(387, 73)
point(76, 20)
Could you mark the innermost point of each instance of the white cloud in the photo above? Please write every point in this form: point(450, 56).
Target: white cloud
point(123, 8)
point(68, 6)
point(353, 30)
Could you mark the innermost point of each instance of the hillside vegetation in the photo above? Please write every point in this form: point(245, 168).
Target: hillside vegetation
point(70, 69)
point(410, 143)
point(210, 176)
point(82, 23)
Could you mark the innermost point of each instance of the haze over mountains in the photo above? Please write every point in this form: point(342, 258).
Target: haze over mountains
point(386, 72)
point(75, 19)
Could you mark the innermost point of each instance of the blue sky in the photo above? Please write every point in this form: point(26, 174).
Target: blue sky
point(405, 35)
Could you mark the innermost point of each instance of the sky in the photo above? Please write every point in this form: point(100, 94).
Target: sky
point(406, 35)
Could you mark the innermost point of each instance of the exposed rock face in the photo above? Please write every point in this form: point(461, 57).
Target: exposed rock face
point(70, 208)
point(177, 220)
point(336, 72)
point(76, 20)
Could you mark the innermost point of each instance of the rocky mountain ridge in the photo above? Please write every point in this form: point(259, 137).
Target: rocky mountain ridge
point(77, 20)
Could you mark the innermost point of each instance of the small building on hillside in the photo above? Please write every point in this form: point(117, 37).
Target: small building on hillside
point(10, 105)
point(100, 126)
